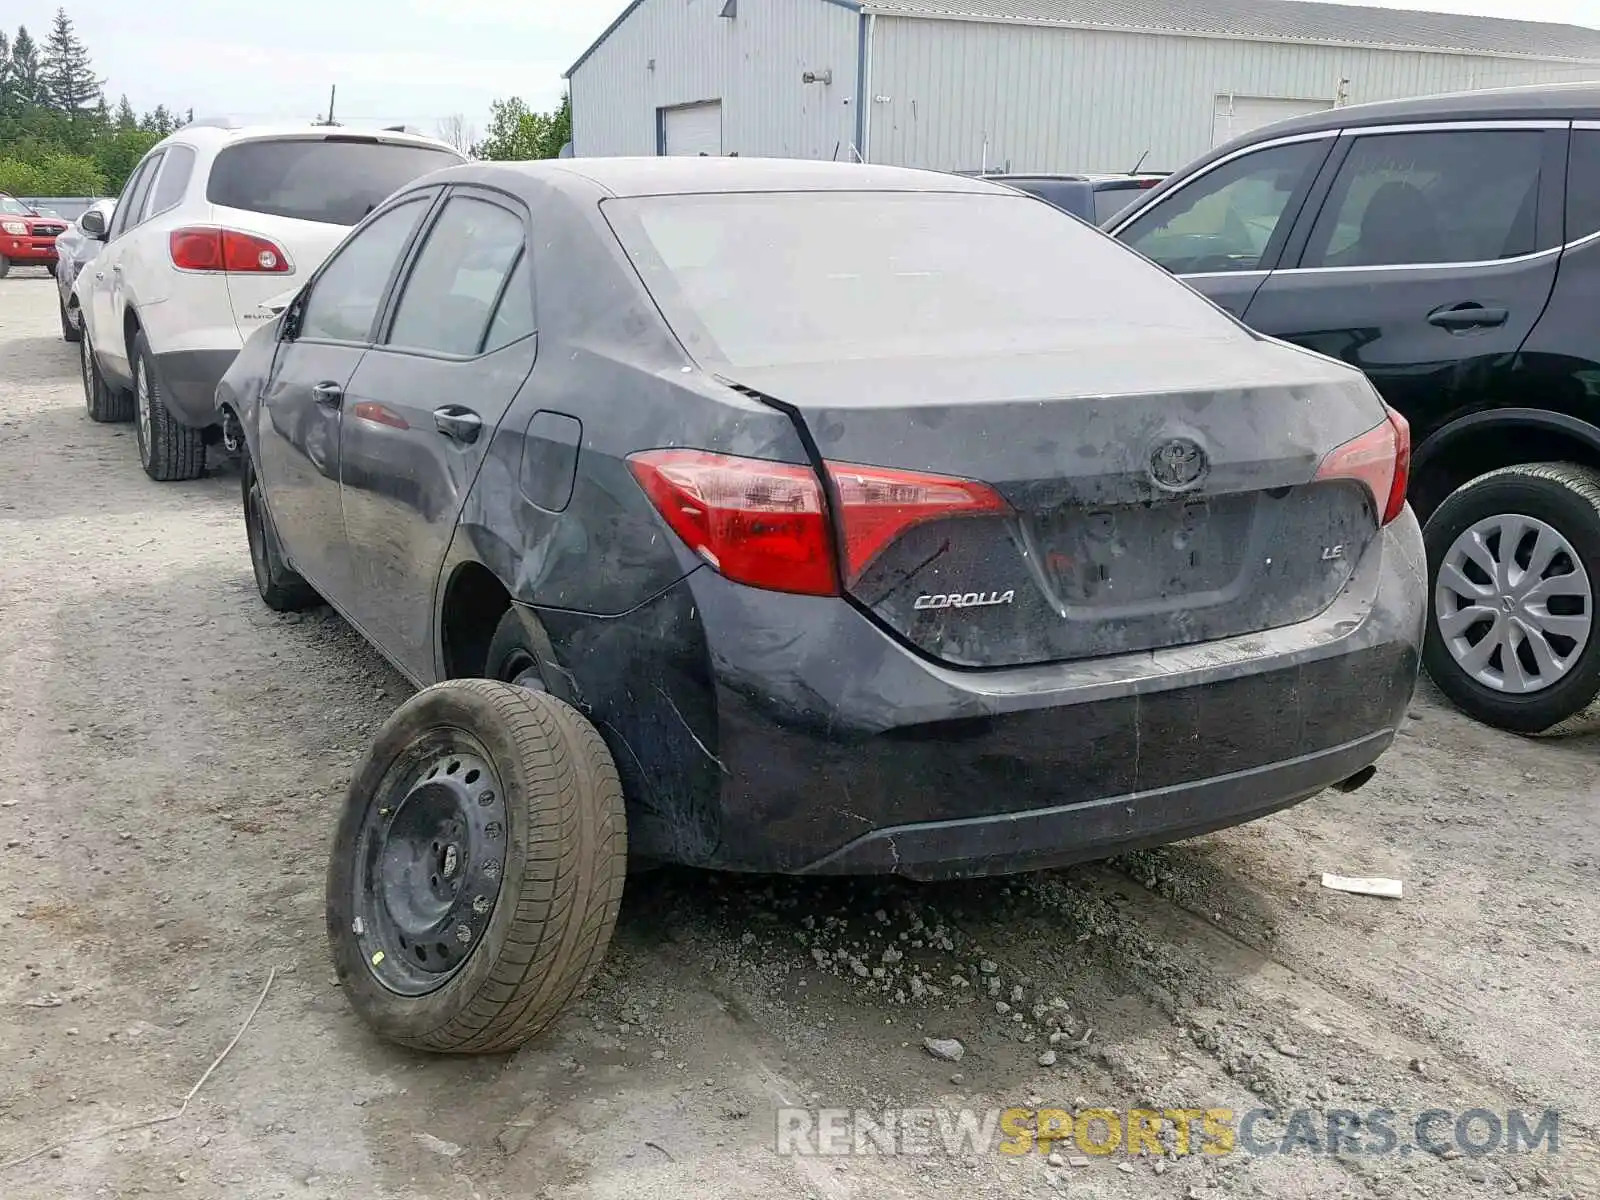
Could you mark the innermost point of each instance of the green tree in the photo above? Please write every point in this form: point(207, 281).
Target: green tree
point(517, 134)
point(159, 121)
point(52, 173)
point(118, 153)
point(126, 119)
point(26, 81)
point(66, 75)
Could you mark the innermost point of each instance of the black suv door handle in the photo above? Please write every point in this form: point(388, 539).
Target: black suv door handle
point(459, 423)
point(328, 393)
point(1467, 316)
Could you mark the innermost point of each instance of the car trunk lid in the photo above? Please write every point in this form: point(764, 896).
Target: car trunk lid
point(1158, 496)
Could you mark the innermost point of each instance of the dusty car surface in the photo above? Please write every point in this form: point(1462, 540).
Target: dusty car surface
point(799, 505)
point(76, 249)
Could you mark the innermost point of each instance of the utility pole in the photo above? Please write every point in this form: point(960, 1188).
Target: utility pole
point(333, 92)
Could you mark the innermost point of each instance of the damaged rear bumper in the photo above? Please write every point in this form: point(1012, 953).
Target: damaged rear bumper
point(767, 732)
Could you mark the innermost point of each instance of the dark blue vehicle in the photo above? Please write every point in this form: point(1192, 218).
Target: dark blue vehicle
point(792, 516)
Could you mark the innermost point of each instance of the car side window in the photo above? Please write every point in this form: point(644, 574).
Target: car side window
point(1440, 197)
point(133, 196)
point(1224, 220)
point(173, 180)
point(1583, 184)
point(513, 315)
point(450, 296)
point(343, 302)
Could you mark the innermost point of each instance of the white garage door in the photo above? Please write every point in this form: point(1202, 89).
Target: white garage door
point(1236, 115)
point(692, 129)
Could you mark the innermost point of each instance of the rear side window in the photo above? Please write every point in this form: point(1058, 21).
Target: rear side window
point(1410, 198)
point(135, 194)
point(513, 316)
point(1225, 220)
point(1583, 184)
point(336, 181)
point(809, 277)
point(173, 180)
point(456, 281)
point(344, 300)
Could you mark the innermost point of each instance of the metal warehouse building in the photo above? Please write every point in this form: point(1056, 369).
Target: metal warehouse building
point(1024, 85)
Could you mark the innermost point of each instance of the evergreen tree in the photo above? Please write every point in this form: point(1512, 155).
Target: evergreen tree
point(8, 106)
point(125, 116)
point(26, 82)
point(66, 76)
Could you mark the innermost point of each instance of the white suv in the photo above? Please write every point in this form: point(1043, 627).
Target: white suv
point(215, 220)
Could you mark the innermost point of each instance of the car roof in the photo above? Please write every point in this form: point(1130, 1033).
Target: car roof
point(1085, 177)
point(221, 132)
point(1546, 101)
point(667, 176)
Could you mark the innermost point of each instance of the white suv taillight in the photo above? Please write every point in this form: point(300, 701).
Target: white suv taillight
point(207, 248)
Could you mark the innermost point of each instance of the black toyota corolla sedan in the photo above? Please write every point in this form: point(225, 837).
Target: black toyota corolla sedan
point(799, 517)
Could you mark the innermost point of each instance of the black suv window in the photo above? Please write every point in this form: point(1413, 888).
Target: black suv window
point(337, 180)
point(1583, 184)
point(458, 277)
point(344, 300)
point(1440, 197)
point(1224, 220)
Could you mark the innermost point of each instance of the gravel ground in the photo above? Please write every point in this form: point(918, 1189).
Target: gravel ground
point(173, 754)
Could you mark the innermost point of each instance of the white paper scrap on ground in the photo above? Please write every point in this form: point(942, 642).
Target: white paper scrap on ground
point(1369, 885)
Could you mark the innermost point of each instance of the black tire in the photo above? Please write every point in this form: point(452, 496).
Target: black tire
point(1565, 497)
point(50, 269)
point(104, 403)
point(5, 266)
point(282, 588)
point(169, 451)
point(69, 328)
point(513, 655)
point(558, 893)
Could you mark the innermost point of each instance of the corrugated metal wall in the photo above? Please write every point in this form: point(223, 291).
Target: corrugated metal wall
point(1082, 100)
point(752, 63)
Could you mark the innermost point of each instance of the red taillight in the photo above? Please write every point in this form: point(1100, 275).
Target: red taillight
point(878, 504)
point(1379, 458)
point(766, 524)
point(211, 249)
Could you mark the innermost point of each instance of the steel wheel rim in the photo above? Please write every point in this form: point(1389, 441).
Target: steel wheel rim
point(1514, 604)
point(141, 389)
point(430, 857)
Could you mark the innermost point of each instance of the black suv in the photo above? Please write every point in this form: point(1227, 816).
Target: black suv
point(1449, 246)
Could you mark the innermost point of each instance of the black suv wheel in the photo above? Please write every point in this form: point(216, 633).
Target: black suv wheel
point(1514, 568)
point(168, 449)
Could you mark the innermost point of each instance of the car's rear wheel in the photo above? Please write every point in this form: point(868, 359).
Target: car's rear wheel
point(1514, 567)
point(168, 449)
point(477, 869)
point(105, 403)
point(282, 588)
point(5, 266)
point(69, 326)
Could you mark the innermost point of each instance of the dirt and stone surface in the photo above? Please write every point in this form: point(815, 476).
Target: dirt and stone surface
point(173, 754)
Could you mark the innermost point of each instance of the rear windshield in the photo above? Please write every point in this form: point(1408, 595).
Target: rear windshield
point(334, 181)
point(1108, 202)
point(797, 277)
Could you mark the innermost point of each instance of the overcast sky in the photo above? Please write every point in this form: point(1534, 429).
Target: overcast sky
point(410, 61)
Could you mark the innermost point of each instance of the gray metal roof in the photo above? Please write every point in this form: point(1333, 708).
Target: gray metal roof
point(1281, 20)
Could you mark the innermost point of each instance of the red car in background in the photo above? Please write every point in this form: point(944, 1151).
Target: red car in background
point(26, 238)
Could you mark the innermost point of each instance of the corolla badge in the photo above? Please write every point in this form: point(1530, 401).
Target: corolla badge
point(1178, 464)
point(964, 600)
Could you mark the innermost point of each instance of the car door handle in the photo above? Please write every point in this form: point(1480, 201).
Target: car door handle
point(328, 394)
point(461, 424)
point(1467, 316)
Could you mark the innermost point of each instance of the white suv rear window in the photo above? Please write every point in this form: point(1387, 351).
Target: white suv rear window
point(335, 180)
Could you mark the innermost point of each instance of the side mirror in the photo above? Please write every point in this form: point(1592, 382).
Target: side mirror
point(94, 224)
